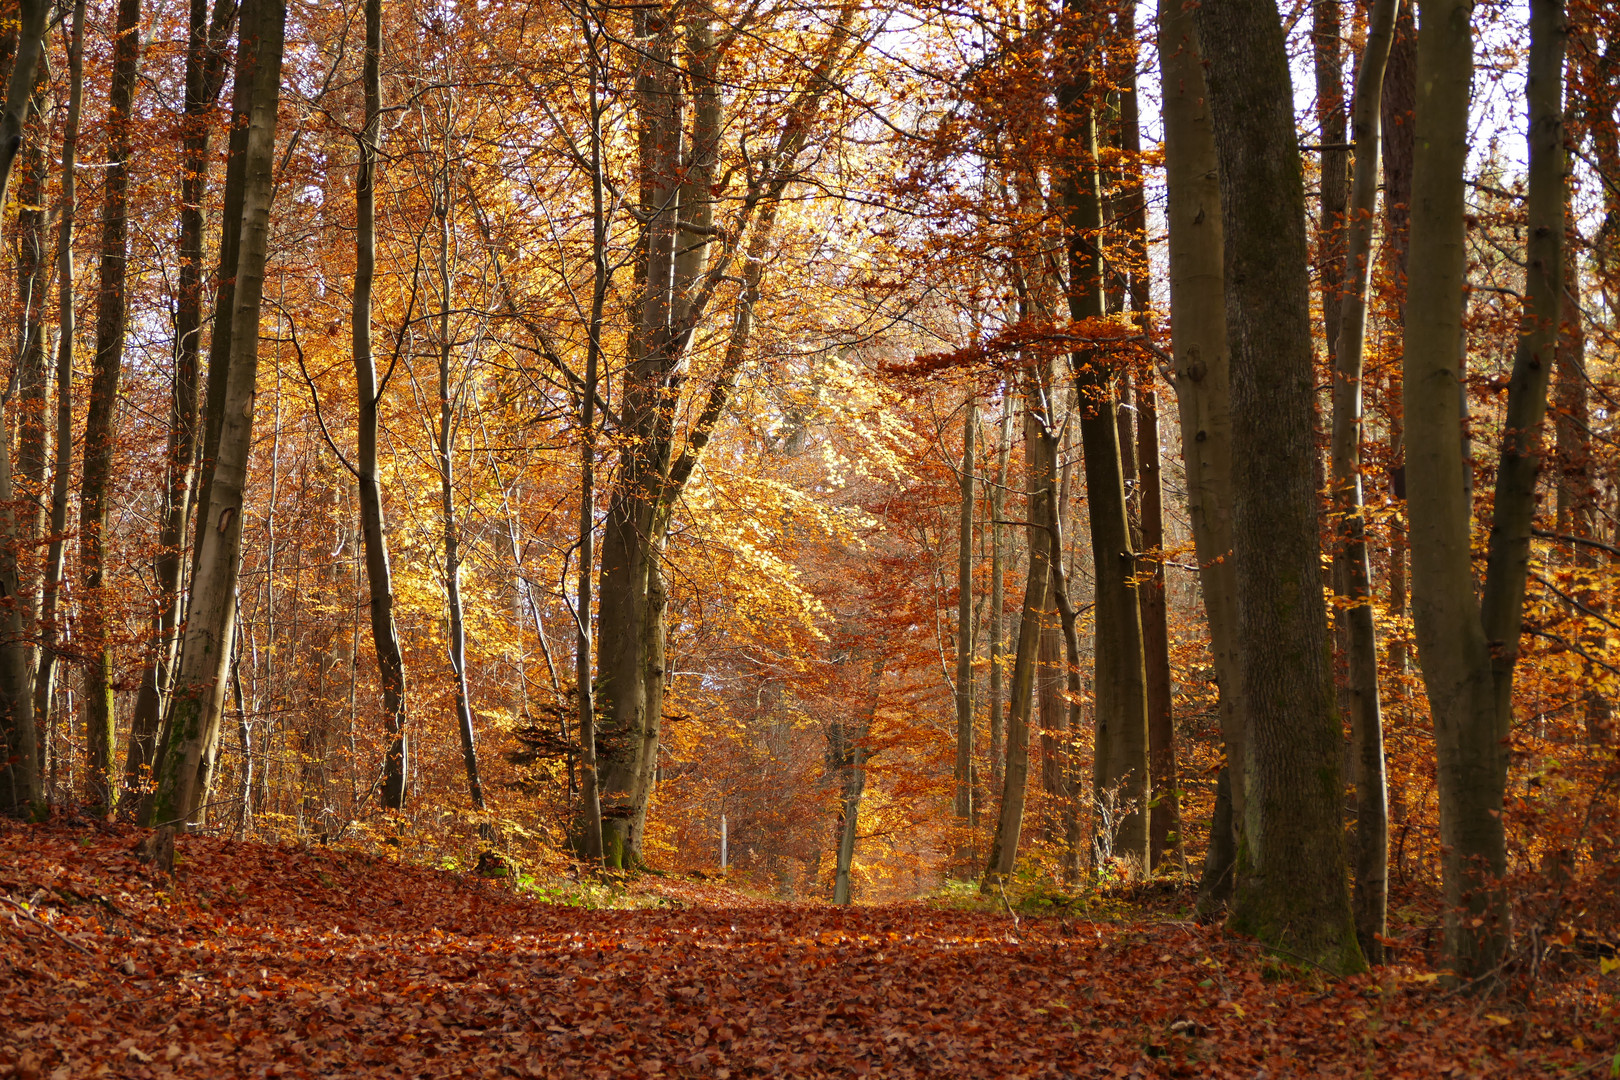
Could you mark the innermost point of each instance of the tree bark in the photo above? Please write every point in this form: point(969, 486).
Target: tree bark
point(1468, 653)
point(205, 70)
point(198, 702)
point(1199, 342)
point(1291, 887)
point(964, 634)
point(1120, 773)
point(998, 594)
point(450, 529)
point(373, 529)
point(19, 750)
point(1353, 573)
point(1039, 454)
point(851, 753)
point(51, 583)
point(101, 422)
point(1395, 152)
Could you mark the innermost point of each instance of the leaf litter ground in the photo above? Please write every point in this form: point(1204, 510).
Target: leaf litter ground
point(259, 960)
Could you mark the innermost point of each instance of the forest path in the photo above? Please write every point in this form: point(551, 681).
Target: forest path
point(260, 960)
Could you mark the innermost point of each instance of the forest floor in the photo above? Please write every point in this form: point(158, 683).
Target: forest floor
point(263, 960)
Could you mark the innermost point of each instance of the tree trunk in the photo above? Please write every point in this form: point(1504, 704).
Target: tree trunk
point(998, 594)
point(1468, 653)
point(373, 531)
point(1353, 574)
point(450, 528)
point(964, 635)
point(19, 750)
point(1120, 777)
point(1291, 887)
point(851, 752)
point(205, 69)
point(1395, 152)
point(1164, 825)
point(51, 583)
point(1198, 340)
point(199, 695)
point(101, 423)
point(1039, 464)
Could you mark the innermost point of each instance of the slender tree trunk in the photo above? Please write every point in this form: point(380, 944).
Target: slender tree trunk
point(373, 531)
point(1468, 653)
point(101, 423)
point(205, 69)
point(1395, 152)
point(200, 684)
point(1292, 888)
point(451, 529)
point(1120, 773)
point(998, 595)
point(1199, 342)
point(19, 750)
point(1353, 573)
point(1039, 465)
point(34, 264)
point(51, 584)
point(1164, 826)
point(1327, 49)
point(849, 746)
point(964, 633)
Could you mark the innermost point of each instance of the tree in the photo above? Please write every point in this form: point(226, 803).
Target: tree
point(19, 760)
point(1353, 574)
point(1199, 344)
point(101, 423)
point(1469, 647)
point(1291, 888)
point(185, 762)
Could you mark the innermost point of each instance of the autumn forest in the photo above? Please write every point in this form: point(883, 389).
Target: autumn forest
point(1014, 458)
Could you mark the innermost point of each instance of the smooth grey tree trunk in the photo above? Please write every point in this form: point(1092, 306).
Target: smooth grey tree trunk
point(368, 394)
point(197, 706)
point(1120, 778)
point(1039, 438)
point(998, 589)
point(1370, 849)
point(1199, 345)
point(1468, 649)
point(205, 71)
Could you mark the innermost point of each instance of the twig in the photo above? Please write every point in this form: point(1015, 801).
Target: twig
point(1001, 887)
point(37, 921)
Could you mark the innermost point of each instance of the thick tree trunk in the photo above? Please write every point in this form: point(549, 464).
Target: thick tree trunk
point(373, 531)
point(1198, 340)
point(34, 264)
point(205, 65)
point(964, 633)
point(1468, 652)
point(19, 750)
point(1039, 453)
point(101, 423)
point(51, 583)
point(184, 765)
point(1291, 888)
point(1120, 777)
point(1353, 574)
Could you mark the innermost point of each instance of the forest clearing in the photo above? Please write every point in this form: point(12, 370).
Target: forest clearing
point(255, 960)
